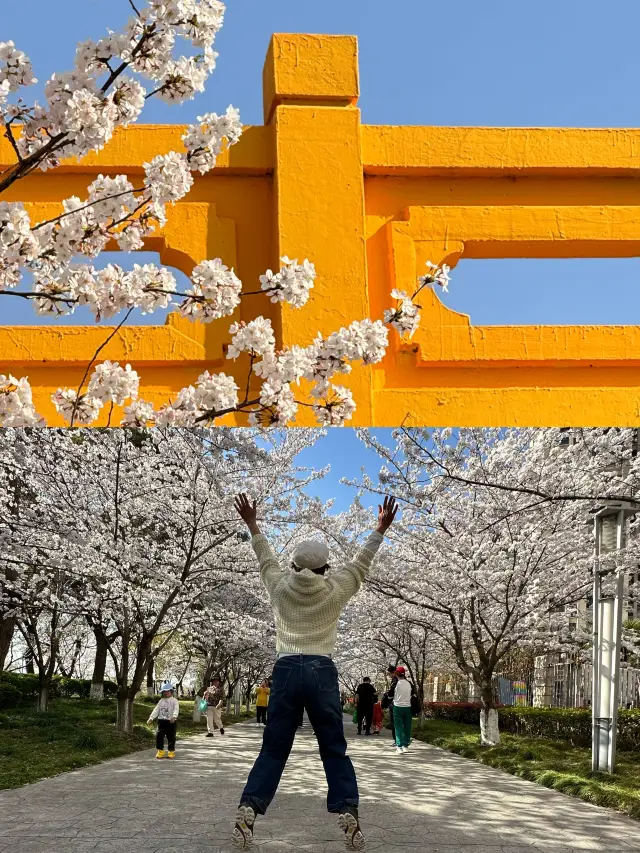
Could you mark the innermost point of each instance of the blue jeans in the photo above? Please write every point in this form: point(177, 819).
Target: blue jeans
point(302, 682)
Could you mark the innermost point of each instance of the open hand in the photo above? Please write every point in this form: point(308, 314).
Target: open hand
point(246, 510)
point(386, 514)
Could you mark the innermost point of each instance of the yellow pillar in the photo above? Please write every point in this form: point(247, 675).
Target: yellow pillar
point(310, 94)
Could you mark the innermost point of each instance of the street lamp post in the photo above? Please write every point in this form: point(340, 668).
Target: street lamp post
point(610, 524)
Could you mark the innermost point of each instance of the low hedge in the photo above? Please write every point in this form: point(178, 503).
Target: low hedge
point(26, 686)
point(570, 724)
point(10, 696)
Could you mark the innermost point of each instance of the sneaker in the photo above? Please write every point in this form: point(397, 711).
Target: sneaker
point(242, 835)
point(221, 731)
point(399, 750)
point(404, 749)
point(209, 734)
point(350, 825)
point(171, 755)
point(367, 733)
point(160, 753)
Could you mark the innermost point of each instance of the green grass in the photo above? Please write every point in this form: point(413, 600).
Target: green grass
point(75, 733)
point(554, 764)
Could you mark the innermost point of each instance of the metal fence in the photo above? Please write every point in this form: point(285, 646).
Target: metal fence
point(553, 684)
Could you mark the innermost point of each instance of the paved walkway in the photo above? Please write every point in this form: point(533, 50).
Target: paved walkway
point(427, 800)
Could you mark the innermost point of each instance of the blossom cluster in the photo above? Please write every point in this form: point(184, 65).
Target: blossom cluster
point(215, 293)
point(291, 284)
point(85, 105)
point(83, 108)
point(113, 210)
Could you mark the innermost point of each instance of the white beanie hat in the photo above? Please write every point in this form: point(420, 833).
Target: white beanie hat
point(310, 555)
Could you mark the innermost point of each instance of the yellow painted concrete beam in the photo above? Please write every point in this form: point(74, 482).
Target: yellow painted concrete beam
point(489, 151)
point(134, 146)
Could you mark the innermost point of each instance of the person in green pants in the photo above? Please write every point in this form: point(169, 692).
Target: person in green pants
point(402, 711)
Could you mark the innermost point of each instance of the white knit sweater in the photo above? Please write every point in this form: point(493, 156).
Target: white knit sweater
point(307, 606)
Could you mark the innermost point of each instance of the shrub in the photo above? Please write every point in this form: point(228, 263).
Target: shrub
point(10, 696)
point(9, 722)
point(110, 688)
point(89, 740)
point(68, 687)
point(26, 683)
point(61, 731)
point(143, 731)
point(457, 712)
point(44, 720)
point(568, 724)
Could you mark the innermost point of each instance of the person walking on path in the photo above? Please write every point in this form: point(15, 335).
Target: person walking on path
point(214, 697)
point(307, 606)
point(402, 715)
point(365, 698)
point(376, 719)
point(166, 713)
point(262, 700)
point(387, 699)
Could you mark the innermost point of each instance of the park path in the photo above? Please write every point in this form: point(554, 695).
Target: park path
point(427, 800)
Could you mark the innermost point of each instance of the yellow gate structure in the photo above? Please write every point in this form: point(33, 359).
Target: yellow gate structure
point(369, 205)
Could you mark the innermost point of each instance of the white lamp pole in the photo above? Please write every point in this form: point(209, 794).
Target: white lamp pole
point(610, 523)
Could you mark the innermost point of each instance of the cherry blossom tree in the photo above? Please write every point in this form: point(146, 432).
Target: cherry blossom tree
point(485, 571)
point(134, 529)
point(166, 50)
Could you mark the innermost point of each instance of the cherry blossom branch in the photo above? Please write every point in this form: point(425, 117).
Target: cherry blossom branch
point(523, 490)
point(92, 362)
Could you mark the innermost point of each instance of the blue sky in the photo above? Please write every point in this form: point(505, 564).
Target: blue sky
point(347, 455)
point(566, 63)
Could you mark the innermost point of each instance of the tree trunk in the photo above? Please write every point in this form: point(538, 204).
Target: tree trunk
point(489, 731)
point(99, 666)
point(7, 627)
point(150, 680)
point(43, 696)
point(96, 691)
point(29, 667)
point(125, 713)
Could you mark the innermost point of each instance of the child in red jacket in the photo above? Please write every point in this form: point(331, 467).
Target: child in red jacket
point(376, 722)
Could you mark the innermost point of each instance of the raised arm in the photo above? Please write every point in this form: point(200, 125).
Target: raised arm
point(349, 579)
point(270, 571)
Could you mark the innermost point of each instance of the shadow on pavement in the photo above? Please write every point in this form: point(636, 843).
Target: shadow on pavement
point(427, 800)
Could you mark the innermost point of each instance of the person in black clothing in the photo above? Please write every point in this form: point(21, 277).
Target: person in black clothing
point(365, 700)
point(387, 702)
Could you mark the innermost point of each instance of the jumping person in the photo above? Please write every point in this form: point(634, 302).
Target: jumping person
point(214, 697)
point(166, 712)
point(307, 606)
